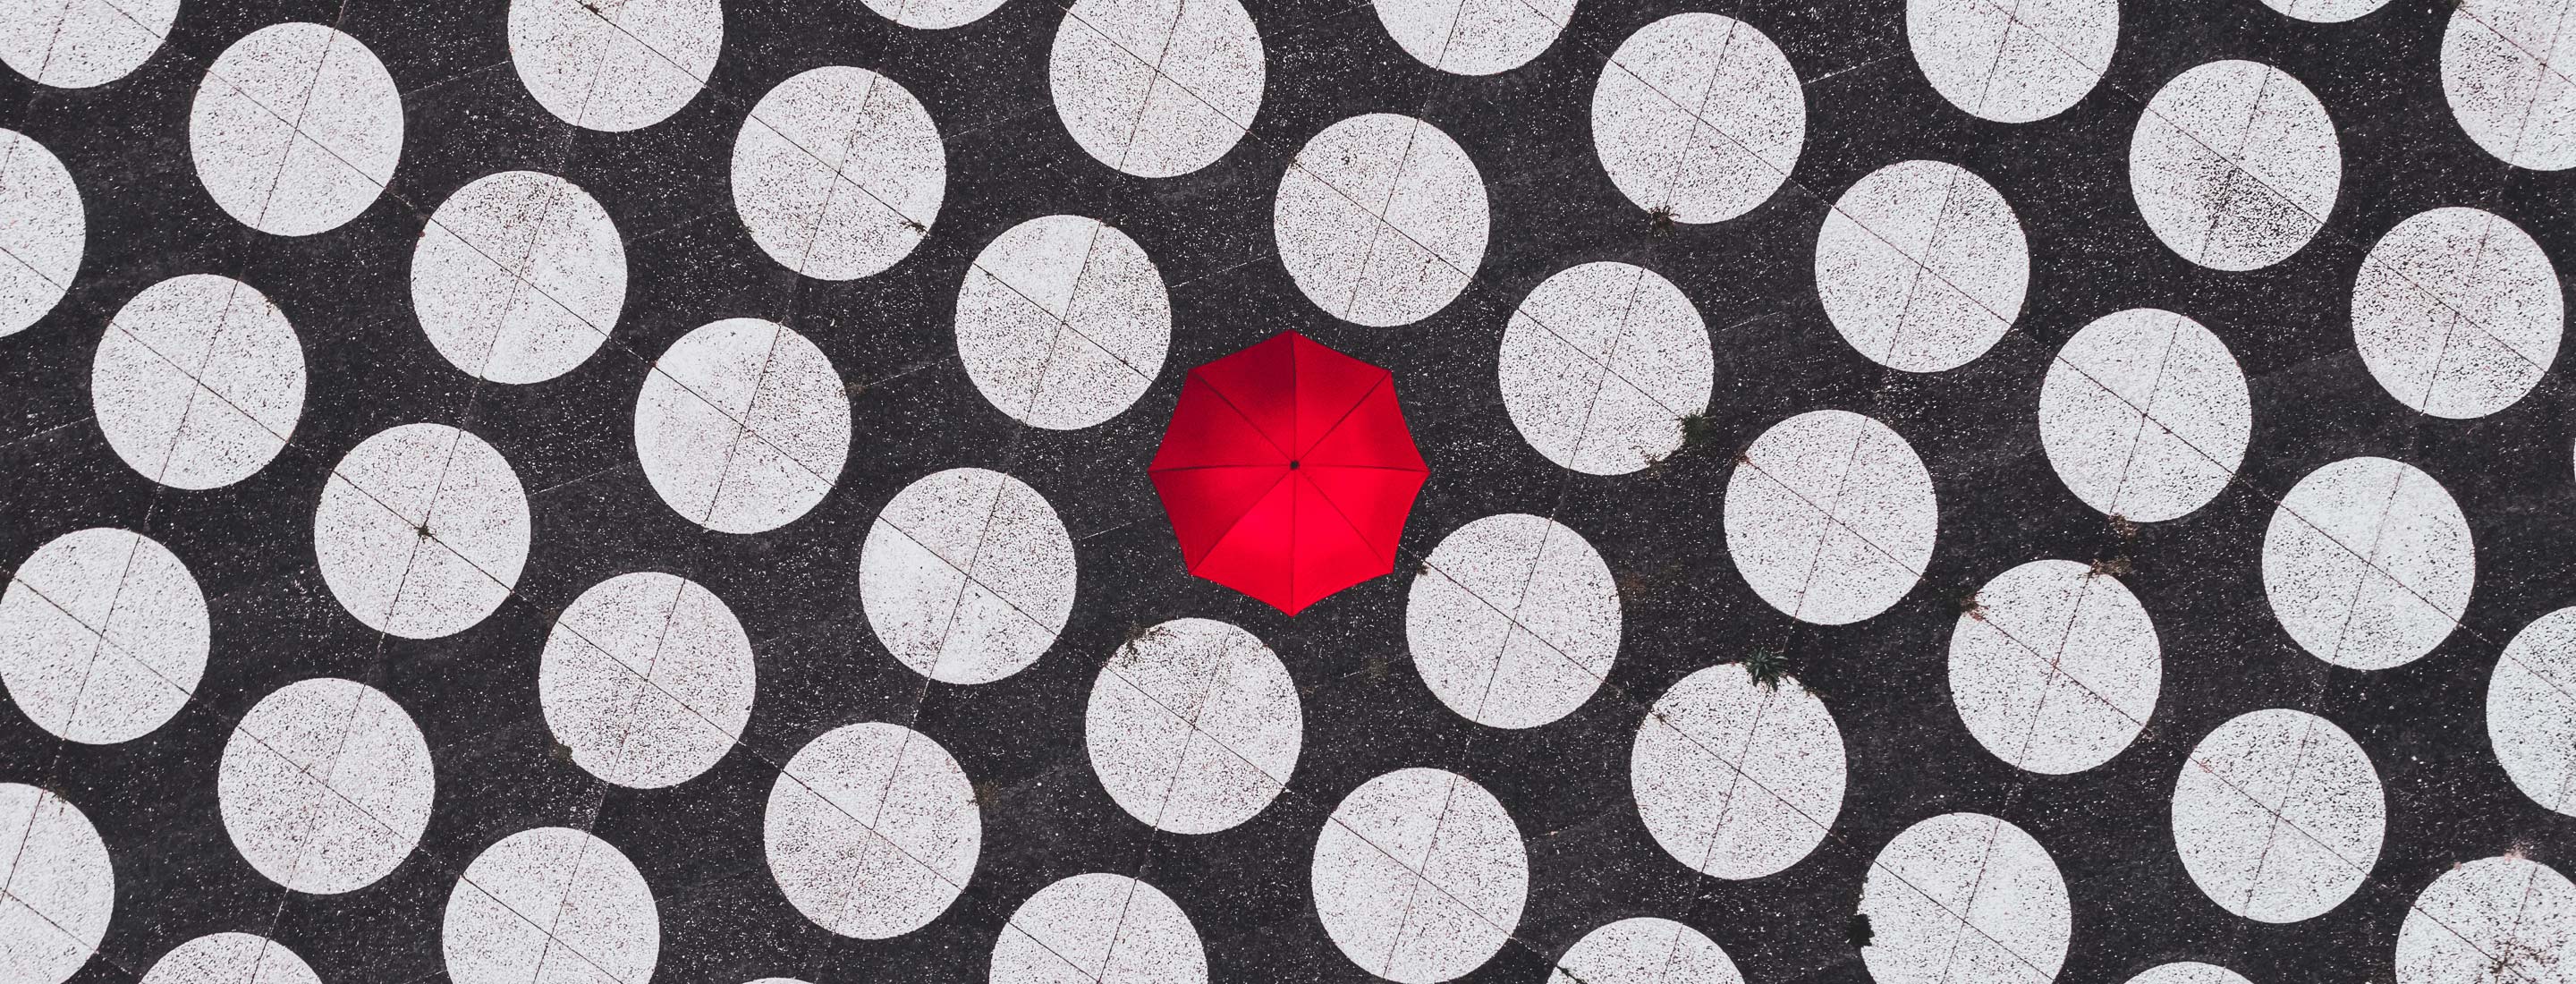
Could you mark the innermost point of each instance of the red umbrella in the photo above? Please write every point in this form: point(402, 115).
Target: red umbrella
point(1287, 471)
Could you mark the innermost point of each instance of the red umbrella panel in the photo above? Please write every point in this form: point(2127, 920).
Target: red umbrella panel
point(1287, 471)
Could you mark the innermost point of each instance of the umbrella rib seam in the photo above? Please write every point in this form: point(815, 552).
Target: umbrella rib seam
point(1410, 469)
point(1382, 380)
point(1346, 521)
point(1237, 522)
point(1212, 390)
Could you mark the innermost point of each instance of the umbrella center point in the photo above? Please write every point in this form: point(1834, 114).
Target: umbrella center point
point(1292, 464)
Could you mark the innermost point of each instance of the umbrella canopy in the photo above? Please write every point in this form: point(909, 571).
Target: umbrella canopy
point(1287, 471)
